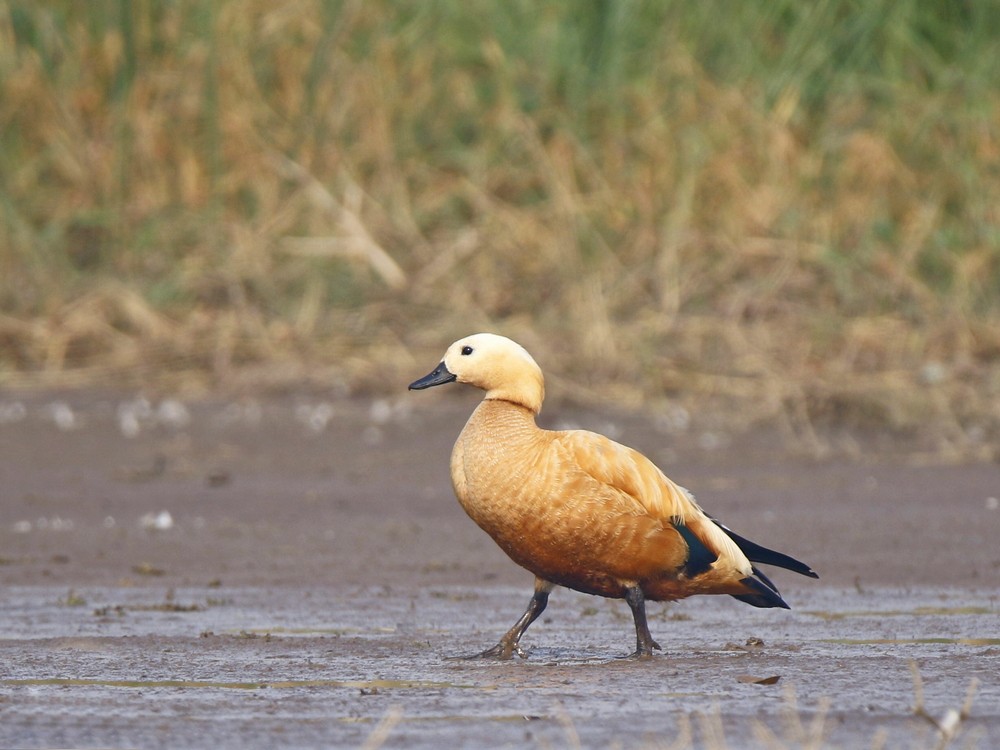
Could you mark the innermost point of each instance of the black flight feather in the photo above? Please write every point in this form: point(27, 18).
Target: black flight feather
point(700, 557)
point(759, 554)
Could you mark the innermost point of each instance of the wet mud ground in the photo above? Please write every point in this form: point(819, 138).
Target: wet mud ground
point(295, 572)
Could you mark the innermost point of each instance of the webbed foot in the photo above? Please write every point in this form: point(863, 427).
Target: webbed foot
point(643, 653)
point(503, 651)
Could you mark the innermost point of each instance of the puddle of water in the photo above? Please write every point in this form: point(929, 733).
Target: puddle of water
point(917, 612)
point(912, 641)
point(283, 630)
point(203, 684)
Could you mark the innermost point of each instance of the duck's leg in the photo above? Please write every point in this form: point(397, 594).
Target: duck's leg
point(507, 646)
point(644, 643)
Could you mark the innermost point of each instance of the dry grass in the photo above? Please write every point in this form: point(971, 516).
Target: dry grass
point(234, 193)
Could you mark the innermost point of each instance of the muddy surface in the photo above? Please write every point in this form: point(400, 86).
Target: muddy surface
point(295, 572)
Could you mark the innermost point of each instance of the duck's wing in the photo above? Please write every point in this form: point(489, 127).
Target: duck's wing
point(631, 474)
point(627, 471)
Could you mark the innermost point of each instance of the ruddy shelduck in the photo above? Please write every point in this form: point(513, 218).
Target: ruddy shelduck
point(580, 510)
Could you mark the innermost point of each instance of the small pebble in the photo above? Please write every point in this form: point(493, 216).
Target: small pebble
point(63, 416)
point(380, 411)
point(315, 417)
point(161, 521)
point(11, 412)
point(173, 413)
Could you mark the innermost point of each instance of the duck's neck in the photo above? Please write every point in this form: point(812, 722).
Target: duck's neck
point(527, 391)
point(501, 417)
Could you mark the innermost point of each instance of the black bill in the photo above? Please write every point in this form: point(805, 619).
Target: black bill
point(440, 376)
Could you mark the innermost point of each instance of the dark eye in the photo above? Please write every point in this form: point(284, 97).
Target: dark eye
point(466, 351)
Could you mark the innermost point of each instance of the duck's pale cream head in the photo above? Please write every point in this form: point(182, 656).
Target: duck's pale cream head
point(501, 367)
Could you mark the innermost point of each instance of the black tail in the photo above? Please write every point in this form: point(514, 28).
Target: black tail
point(764, 593)
point(756, 553)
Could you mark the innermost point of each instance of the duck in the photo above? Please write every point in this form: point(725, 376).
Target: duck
point(579, 510)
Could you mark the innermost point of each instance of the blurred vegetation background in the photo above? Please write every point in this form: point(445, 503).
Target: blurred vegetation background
point(772, 211)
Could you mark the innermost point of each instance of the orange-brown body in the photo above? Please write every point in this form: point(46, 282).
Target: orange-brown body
point(578, 523)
